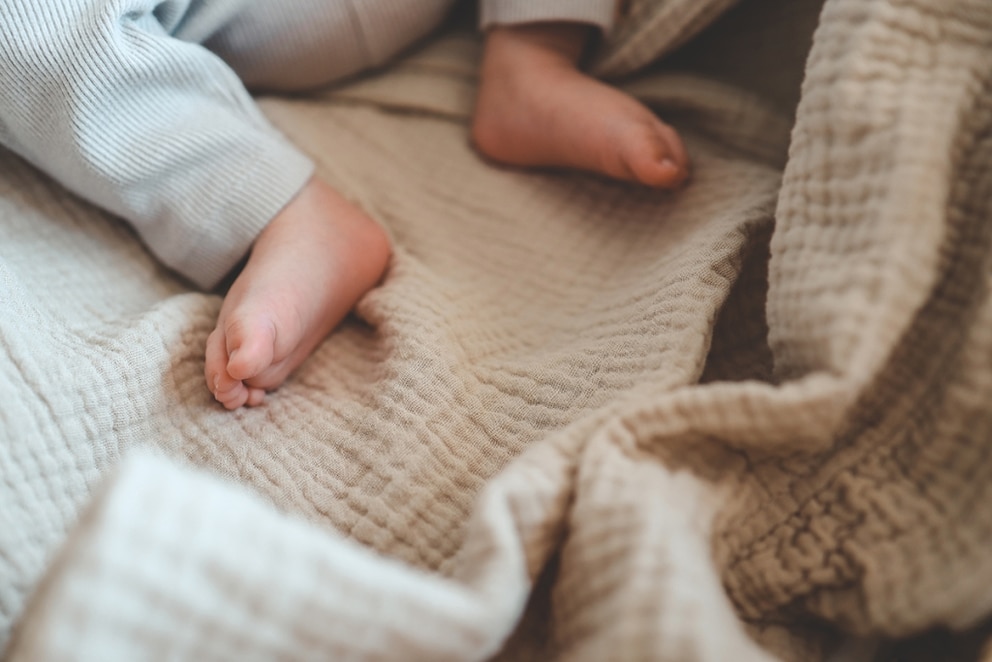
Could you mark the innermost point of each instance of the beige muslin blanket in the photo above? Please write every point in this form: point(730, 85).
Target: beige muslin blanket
point(579, 420)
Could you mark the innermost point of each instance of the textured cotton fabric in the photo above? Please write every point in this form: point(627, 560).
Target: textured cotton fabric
point(579, 420)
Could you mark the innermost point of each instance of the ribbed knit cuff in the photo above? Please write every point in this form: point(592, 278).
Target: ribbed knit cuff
point(267, 182)
point(600, 13)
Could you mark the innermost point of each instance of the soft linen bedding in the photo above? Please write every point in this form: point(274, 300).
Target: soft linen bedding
point(579, 420)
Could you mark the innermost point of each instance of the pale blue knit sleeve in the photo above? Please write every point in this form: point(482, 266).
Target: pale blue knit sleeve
point(159, 131)
point(600, 13)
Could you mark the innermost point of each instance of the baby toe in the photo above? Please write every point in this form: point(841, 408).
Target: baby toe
point(250, 344)
point(215, 364)
point(255, 397)
point(235, 398)
point(652, 163)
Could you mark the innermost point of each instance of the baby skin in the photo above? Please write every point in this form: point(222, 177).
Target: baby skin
point(320, 254)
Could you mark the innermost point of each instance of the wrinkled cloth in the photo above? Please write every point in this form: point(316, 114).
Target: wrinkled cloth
point(579, 419)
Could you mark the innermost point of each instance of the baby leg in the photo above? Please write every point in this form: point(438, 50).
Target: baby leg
point(294, 45)
point(536, 108)
point(161, 132)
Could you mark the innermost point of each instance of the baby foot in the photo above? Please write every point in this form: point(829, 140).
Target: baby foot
point(535, 108)
point(306, 271)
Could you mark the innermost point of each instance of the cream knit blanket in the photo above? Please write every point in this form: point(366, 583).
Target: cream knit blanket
point(579, 420)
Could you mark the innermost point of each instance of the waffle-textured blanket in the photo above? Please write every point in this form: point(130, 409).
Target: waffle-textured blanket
point(579, 420)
